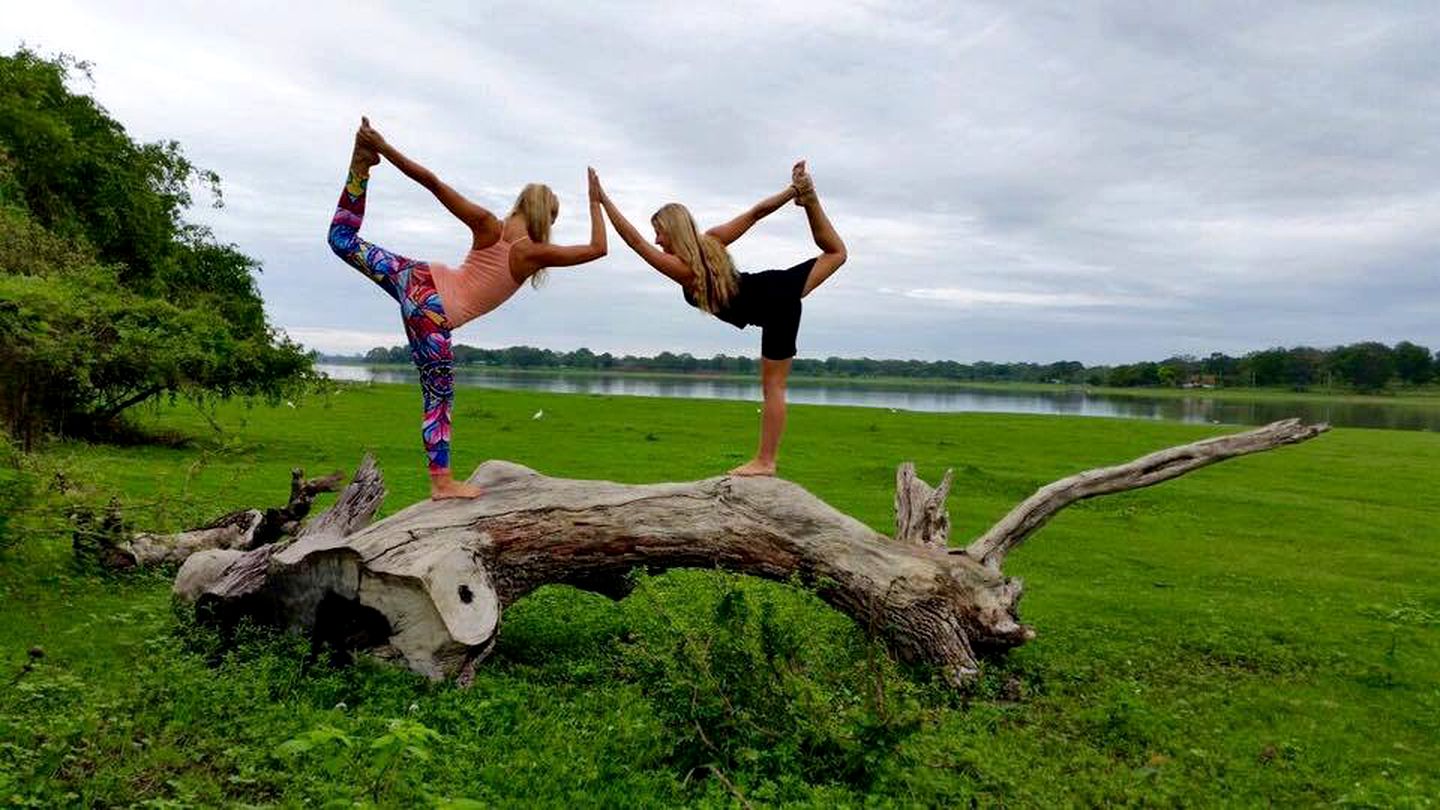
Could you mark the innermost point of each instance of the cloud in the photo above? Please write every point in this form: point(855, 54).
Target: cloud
point(342, 341)
point(1003, 298)
point(1106, 183)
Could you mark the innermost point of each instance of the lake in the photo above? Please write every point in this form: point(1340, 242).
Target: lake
point(1397, 415)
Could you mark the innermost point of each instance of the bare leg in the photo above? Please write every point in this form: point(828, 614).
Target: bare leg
point(773, 374)
point(826, 238)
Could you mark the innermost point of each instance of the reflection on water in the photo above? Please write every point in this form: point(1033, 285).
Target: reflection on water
point(1070, 402)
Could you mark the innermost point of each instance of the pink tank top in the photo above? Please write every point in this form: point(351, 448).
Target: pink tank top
point(481, 283)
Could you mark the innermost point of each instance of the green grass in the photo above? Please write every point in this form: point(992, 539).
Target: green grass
point(1263, 631)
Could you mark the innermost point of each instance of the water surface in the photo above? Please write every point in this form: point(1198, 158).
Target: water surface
point(1397, 415)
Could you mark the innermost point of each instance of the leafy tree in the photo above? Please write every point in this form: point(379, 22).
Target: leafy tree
point(1067, 371)
point(1367, 366)
point(1224, 367)
point(1413, 363)
point(82, 177)
point(528, 357)
point(1137, 374)
point(1264, 368)
point(107, 297)
point(1304, 367)
point(580, 358)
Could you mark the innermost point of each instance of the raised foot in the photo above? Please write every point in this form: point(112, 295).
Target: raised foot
point(754, 467)
point(444, 490)
point(365, 154)
point(803, 184)
point(363, 157)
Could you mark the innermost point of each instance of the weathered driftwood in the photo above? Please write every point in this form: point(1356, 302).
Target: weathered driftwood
point(920, 514)
point(146, 549)
point(240, 574)
point(242, 530)
point(1036, 510)
point(428, 585)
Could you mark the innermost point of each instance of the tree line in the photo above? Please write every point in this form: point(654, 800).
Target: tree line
point(1367, 366)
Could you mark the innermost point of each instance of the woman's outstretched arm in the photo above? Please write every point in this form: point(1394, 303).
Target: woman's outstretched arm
point(671, 266)
point(547, 255)
point(736, 228)
point(481, 222)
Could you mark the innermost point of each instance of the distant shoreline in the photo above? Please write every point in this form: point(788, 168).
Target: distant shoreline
point(1417, 397)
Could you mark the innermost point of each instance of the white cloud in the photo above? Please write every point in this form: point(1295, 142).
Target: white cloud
point(1003, 298)
point(1155, 178)
point(342, 341)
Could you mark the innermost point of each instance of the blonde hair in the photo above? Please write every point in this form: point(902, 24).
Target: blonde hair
point(539, 207)
point(715, 279)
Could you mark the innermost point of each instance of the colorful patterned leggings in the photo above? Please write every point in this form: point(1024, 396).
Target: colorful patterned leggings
point(408, 282)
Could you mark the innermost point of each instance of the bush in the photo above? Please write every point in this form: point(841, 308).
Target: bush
point(76, 350)
point(746, 693)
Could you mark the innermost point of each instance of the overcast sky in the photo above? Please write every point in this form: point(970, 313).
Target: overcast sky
point(1104, 182)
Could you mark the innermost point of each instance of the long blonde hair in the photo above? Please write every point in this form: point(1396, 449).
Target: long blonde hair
point(539, 207)
point(715, 279)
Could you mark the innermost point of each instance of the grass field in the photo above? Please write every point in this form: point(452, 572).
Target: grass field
point(1266, 631)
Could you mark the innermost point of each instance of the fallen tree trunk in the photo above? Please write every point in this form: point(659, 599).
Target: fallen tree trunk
point(106, 543)
point(428, 585)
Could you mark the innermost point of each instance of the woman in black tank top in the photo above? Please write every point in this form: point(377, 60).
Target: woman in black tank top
point(699, 263)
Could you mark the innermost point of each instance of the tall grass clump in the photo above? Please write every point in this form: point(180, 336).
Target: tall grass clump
point(749, 688)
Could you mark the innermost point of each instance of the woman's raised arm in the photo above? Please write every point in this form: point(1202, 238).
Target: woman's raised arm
point(736, 228)
point(482, 223)
point(547, 255)
point(671, 266)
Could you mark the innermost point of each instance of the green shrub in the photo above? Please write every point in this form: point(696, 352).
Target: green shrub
point(78, 350)
point(743, 689)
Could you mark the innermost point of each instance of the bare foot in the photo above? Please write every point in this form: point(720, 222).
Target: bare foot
point(363, 158)
point(803, 184)
point(442, 489)
point(754, 467)
point(365, 154)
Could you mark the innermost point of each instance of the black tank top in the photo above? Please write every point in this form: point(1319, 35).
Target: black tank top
point(739, 311)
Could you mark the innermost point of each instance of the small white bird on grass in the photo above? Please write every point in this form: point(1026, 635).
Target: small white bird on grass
point(538, 414)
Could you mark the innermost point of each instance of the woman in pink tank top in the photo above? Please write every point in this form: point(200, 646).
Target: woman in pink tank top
point(435, 298)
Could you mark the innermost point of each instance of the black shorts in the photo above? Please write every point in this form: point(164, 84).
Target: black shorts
point(777, 307)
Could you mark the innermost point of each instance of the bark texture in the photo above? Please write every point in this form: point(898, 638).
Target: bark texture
point(920, 514)
point(428, 585)
point(243, 530)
